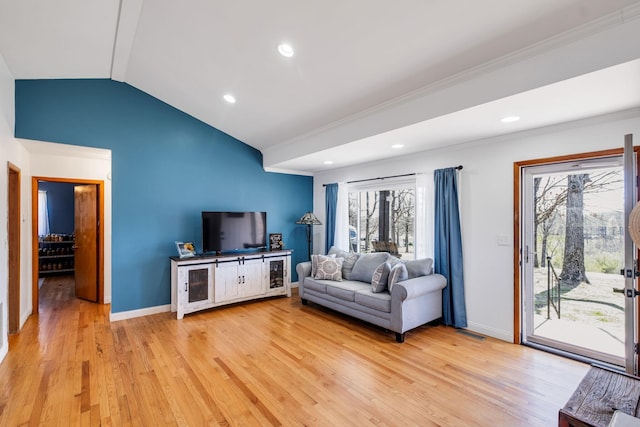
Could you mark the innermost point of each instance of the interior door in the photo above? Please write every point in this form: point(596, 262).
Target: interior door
point(86, 241)
point(13, 225)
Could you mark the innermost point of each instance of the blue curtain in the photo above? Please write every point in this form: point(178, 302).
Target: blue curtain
point(448, 247)
point(331, 208)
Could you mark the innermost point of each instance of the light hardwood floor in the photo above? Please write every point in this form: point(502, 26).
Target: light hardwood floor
point(273, 362)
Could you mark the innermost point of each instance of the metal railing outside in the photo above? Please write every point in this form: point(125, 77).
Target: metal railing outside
point(553, 290)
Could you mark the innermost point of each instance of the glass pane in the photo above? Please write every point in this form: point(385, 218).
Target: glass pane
point(382, 221)
point(199, 285)
point(276, 274)
point(579, 252)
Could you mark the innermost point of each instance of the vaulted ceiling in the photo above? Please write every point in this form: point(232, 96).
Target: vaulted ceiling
point(366, 74)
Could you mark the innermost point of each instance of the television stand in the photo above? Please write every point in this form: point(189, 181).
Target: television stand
point(207, 281)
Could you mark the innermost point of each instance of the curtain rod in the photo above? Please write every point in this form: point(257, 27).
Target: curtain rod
point(386, 177)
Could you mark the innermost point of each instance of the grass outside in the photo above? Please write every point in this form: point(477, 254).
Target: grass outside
point(594, 304)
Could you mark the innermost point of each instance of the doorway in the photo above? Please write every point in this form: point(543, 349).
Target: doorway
point(79, 253)
point(574, 250)
point(13, 241)
point(571, 232)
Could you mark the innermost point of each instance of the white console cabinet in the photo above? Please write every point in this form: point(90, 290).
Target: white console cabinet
point(202, 282)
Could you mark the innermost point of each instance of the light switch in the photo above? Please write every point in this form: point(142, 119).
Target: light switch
point(504, 240)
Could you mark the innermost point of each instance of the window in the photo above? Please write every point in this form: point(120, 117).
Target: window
point(383, 219)
point(43, 213)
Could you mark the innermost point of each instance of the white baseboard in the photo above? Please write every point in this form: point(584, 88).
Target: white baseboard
point(491, 332)
point(24, 318)
point(122, 315)
point(295, 284)
point(5, 348)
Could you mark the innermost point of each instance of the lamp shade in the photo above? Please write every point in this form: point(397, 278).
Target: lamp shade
point(309, 219)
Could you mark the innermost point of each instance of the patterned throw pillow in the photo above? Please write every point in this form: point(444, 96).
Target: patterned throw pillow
point(314, 264)
point(329, 268)
point(397, 274)
point(350, 259)
point(380, 277)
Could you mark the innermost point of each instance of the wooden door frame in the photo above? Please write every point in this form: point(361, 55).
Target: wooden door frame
point(517, 169)
point(13, 239)
point(34, 232)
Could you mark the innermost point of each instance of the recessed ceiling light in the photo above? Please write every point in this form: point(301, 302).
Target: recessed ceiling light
point(510, 119)
point(328, 162)
point(230, 98)
point(285, 50)
point(397, 146)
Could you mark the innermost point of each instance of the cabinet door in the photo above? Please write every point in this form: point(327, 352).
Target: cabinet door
point(227, 281)
point(252, 278)
point(196, 285)
point(277, 273)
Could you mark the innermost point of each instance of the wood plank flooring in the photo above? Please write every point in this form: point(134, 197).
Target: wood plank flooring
point(268, 363)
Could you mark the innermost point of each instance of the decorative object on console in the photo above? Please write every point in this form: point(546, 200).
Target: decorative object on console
point(185, 250)
point(309, 219)
point(275, 242)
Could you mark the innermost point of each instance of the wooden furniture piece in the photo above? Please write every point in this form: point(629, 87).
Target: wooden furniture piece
point(202, 282)
point(600, 393)
point(390, 247)
point(56, 254)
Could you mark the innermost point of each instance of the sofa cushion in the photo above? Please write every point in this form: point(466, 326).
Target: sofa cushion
point(314, 264)
point(315, 285)
point(419, 267)
point(350, 259)
point(380, 277)
point(378, 301)
point(366, 265)
point(345, 290)
point(329, 268)
point(397, 274)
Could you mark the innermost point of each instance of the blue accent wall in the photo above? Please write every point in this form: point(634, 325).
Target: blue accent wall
point(167, 167)
point(60, 202)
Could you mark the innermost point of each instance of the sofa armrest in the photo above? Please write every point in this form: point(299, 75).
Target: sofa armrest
point(413, 288)
point(304, 270)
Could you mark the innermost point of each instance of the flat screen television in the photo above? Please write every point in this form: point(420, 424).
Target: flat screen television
point(233, 231)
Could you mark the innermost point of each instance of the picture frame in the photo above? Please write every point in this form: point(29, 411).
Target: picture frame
point(185, 250)
point(275, 242)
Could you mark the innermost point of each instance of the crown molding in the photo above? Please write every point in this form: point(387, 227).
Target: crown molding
point(287, 171)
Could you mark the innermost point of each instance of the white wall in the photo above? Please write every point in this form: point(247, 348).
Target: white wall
point(12, 151)
point(51, 160)
point(486, 187)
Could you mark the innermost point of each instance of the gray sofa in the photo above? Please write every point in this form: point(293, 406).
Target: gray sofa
point(412, 302)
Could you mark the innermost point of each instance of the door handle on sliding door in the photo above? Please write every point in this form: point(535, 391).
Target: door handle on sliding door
point(629, 293)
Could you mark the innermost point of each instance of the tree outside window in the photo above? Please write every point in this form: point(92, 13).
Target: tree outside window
point(382, 221)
